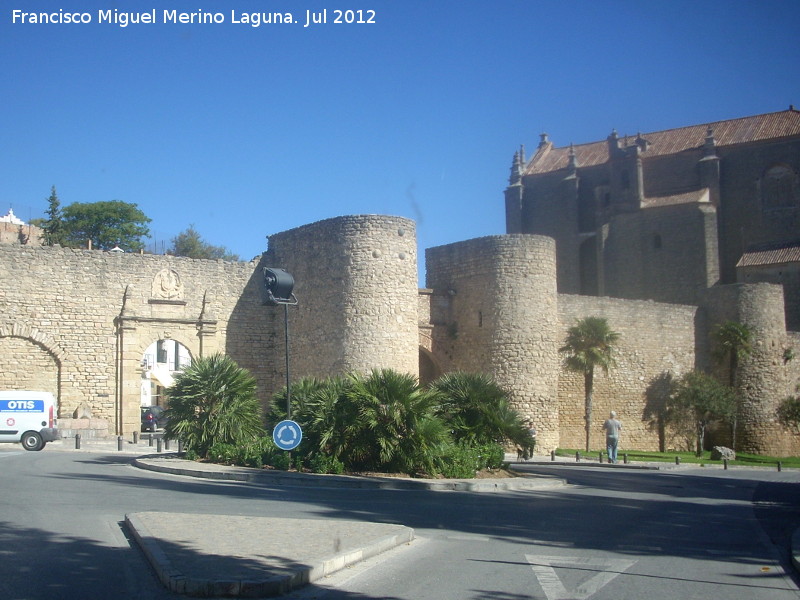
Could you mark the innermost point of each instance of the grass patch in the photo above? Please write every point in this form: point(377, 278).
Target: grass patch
point(742, 459)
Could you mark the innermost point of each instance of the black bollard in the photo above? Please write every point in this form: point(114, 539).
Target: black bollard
point(150, 440)
point(158, 445)
point(625, 458)
point(180, 446)
point(119, 442)
point(135, 437)
point(577, 457)
point(601, 457)
point(725, 464)
point(780, 466)
point(677, 460)
point(166, 443)
point(77, 441)
point(552, 455)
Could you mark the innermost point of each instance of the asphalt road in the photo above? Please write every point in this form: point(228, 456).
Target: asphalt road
point(611, 534)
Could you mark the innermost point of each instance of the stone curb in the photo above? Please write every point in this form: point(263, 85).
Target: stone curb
point(272, 585)
point(163, 464)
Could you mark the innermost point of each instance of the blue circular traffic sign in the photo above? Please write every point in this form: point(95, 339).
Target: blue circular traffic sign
point(287, 435)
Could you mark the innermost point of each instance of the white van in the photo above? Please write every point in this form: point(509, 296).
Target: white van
point(28, 417)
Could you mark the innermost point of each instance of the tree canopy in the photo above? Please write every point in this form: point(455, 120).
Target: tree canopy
point(700, 397)
point(213, 401)
point(789, 413)
point(106, 224)
point(190, 243)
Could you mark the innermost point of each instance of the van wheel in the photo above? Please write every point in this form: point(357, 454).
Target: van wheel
point(32, 441)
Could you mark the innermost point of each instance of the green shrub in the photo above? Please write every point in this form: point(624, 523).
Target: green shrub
point(281, 460)
point(490, 456)
point(323, 463)
point(458, 461)
point(248, 456)
point(476, 410)
point(224, 454)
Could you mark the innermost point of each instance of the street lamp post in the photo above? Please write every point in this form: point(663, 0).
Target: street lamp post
point(279, 285)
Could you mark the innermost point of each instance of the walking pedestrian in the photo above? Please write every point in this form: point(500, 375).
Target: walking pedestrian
point(612, 427)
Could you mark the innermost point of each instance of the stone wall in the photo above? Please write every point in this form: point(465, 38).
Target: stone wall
point(77, 322)
point(12, 233)
point(667, 253)
point(657, 342)
point(496, 313)
point(764, 377)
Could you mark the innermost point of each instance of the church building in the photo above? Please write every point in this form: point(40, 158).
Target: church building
point(665, 215)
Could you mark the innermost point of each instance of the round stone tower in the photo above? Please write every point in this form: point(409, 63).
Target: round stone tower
point(762, 378)
point(356, 285)
point(502, 318)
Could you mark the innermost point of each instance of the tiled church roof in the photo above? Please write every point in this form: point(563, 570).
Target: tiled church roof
point(726, 133)
point(771, 254)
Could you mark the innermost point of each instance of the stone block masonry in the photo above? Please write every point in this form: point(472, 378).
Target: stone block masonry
point(656, 344)
point(356, 285)
point(78, 322)
point(501, 319)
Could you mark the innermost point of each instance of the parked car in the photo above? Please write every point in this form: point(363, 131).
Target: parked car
point(153, 418)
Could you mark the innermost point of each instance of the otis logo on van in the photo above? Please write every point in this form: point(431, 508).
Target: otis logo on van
point(21, 405)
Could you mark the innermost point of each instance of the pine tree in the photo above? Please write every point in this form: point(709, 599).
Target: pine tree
point(53, 226)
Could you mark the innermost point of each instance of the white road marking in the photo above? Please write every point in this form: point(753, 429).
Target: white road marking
point(545, 569)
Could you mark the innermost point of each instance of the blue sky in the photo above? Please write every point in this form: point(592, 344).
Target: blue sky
point(247, 131)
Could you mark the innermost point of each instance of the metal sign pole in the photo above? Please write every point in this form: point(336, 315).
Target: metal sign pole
point(286, 338)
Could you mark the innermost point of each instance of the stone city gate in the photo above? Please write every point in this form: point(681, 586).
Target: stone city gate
point(77, 323)
point(136, 333)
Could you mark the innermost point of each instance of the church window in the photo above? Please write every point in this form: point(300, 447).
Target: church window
point(779, 188)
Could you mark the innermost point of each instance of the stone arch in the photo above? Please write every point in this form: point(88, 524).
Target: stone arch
point(163, 331)
point(40, 370)
point(34, 335)
point(135, 335)
point(429, 368)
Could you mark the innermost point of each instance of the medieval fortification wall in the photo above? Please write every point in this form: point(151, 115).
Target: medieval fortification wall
point(77, 323)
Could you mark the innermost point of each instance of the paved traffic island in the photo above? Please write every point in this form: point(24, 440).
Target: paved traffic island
point(235, 556)
point(211, 556)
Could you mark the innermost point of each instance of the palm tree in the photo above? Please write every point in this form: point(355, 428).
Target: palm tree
point(397, 429)
point(733, 341)
point(477, 411)
point(589, 343)
point(213, 401)
point(382, 421)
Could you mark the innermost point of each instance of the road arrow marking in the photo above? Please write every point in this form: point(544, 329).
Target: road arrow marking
point(545, 569)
